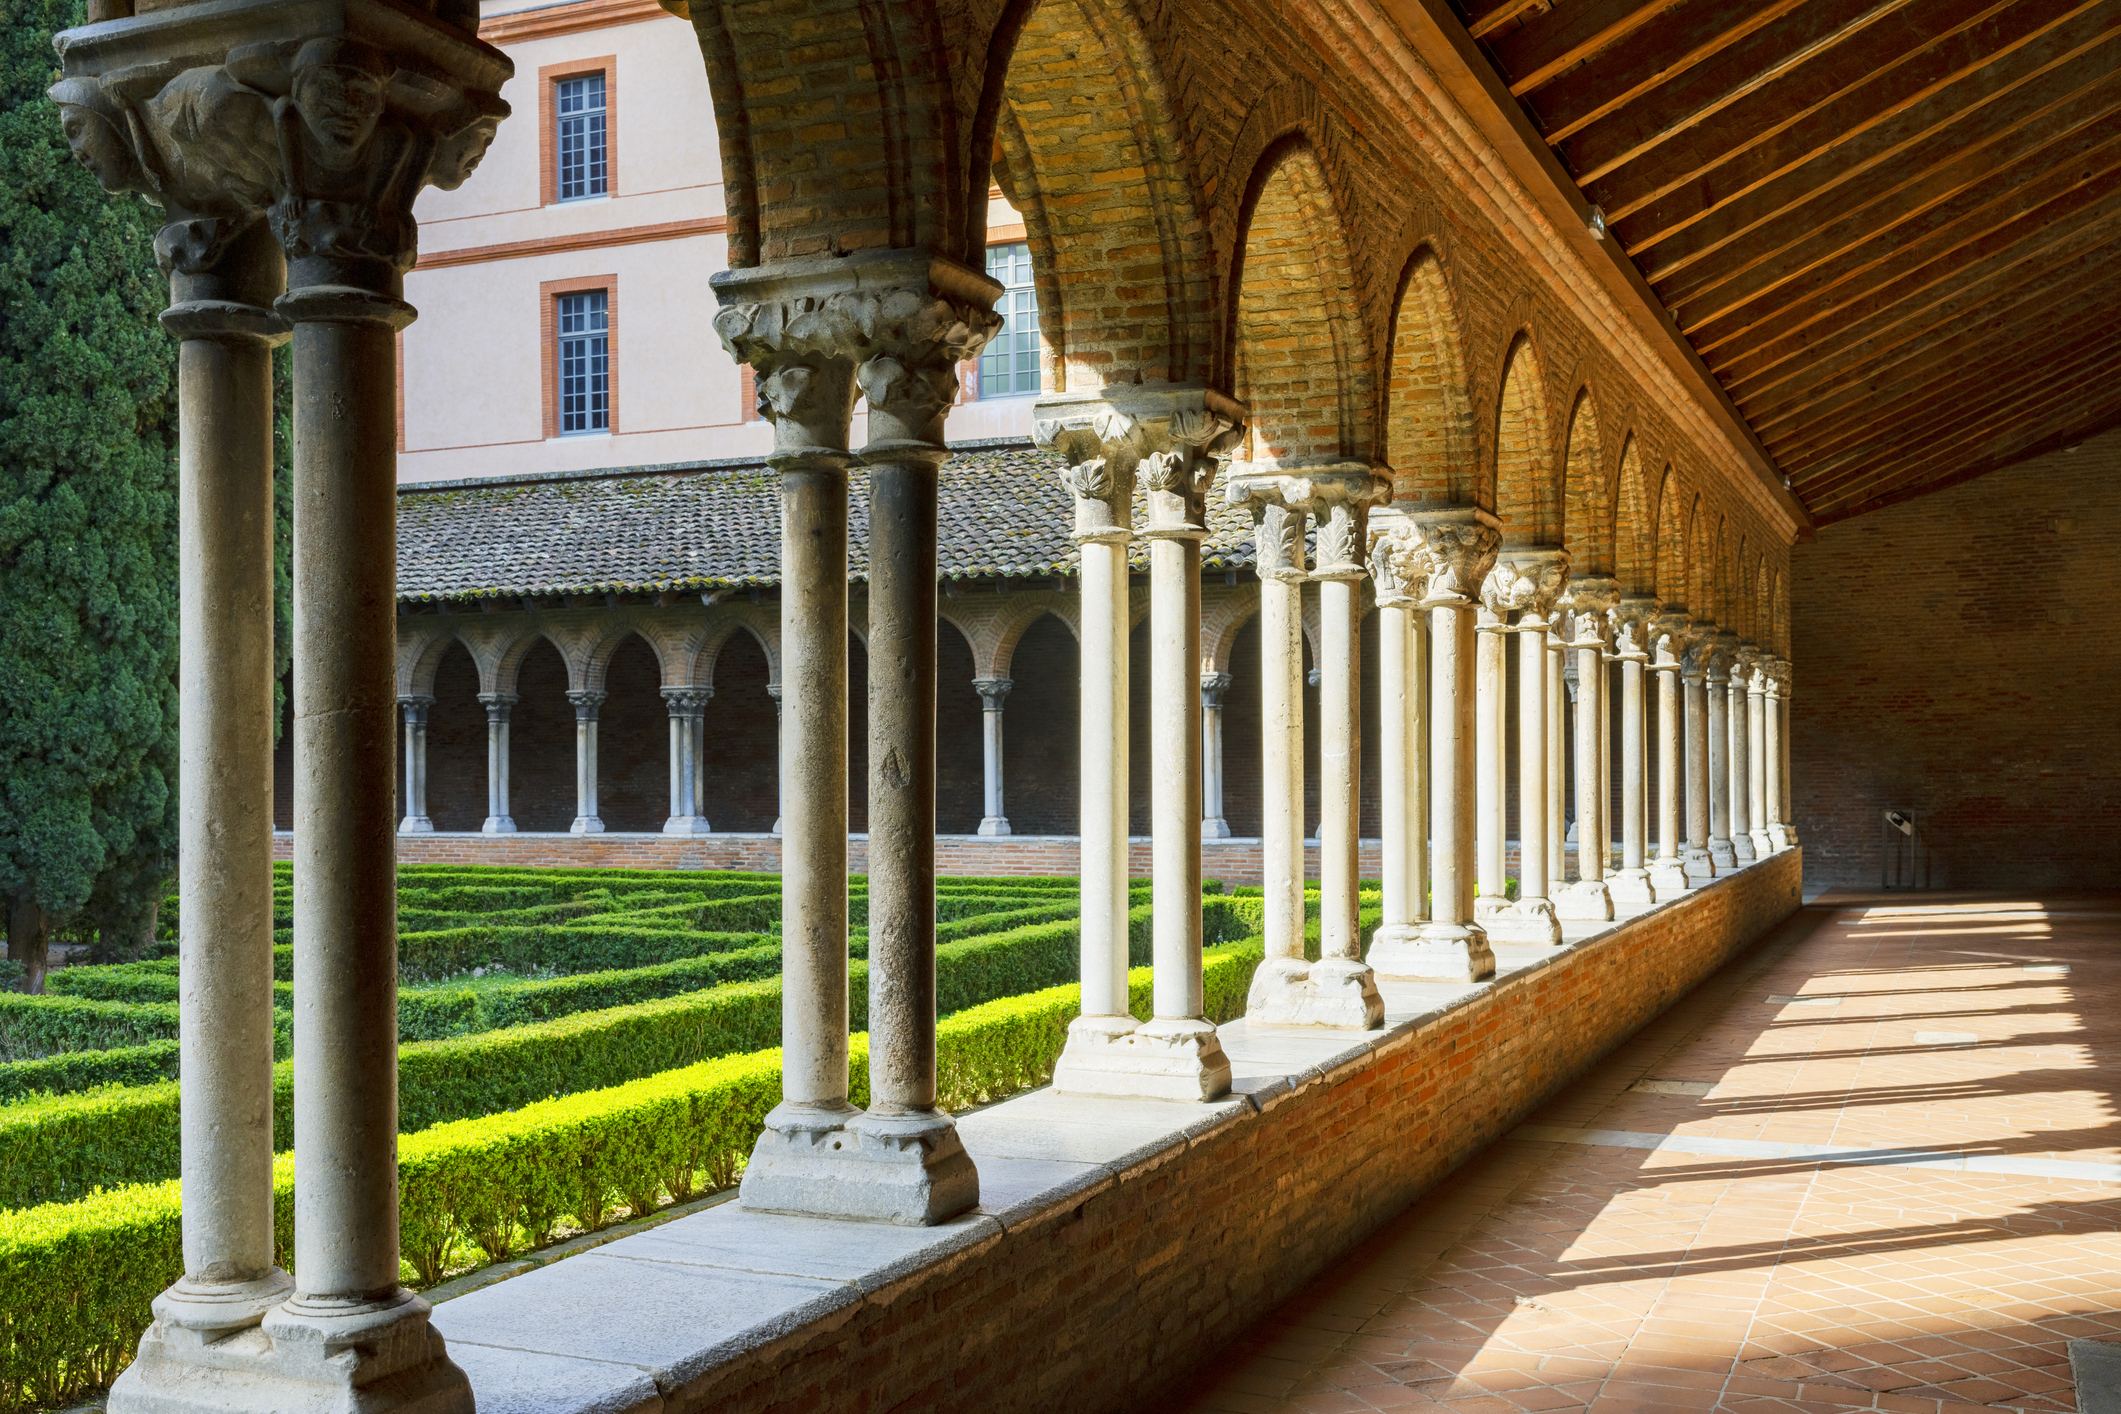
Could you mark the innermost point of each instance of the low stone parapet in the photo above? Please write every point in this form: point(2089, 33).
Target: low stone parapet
point(1118, 1242)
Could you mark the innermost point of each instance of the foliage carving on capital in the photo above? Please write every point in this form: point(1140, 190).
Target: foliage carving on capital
point(1278, 542)
point(1459, 550)
point(1671, 634)
point(1399, 564)
point(1526, 585)
point(1586, 602)
point(1632, 621)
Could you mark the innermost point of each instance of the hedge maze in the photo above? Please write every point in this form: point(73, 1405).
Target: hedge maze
point(576, 1047)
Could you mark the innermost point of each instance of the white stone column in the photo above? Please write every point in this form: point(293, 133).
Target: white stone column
point(1740, 755)
point(586, 819)
point(1670, 636)
point(1171, 434)
point(1214, 823)
point(1557, 759)
point(1777, 780)
point(992, 693)
point(415, 821)
point(1399, 572)
point(1491, 719)
point(1278, 540)
point(1756, 755)
point(1633, 620)
point(1720, 652)
point(498, 705)
point(895, 323)
point(1525, 584)
point(773, 690)
point(1787, 683)
point(1693, 678)
point(1588, 600)
point(688, 715)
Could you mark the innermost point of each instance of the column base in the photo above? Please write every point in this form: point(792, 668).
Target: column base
point(1432, 952)
point(498, 825)
point(1631, 886)
point(1723, 854)
point(1158, 1060)
point(307, 1356)
point(1778, 836)
point(1763, 846)
point(586, 825)
point(994, 825)
point(1668, 877)
point(1585, 901)
point(1485, 908)
point(1742, 849)
point(1700, 866)
point(911, 1170)
point(416, 825)
point(687, 825)
point(1289, 991)
point(1216, 829)
point(1529, 921)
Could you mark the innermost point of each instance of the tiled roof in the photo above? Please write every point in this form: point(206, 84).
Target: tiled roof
point(1004, 513)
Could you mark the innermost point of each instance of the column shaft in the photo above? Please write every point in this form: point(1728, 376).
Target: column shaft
point(1591, 806)
point(1396, 766)
point(993, 692)
point(1699, 864)
point(1670, 868)
point(1740, 754)
point(1104, 777)
point(414, 806)
point(1340, 767)
point(1756, 762)
point(1717, 691)
point(1556, 782)
point(1771, 714)
point(1281, 710)
point(1491, 715)
point(1632, 883)
point(585, 773)
point(1174, 747)
point(1214, 823)
point(1531, 763)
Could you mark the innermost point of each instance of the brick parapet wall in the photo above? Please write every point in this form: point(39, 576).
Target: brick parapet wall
point(1955, 659)
point(1107, 1303)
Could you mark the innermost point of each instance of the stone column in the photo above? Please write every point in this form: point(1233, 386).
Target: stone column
point(498, 705)
point(1339, 989)
point(1720, 652)
point(1587, 601)
point(1524, 585)
point(1214, 825)
point(1777, 762)
point(688, 718)
point(1787, 683)
point(1740, 755)
point(992, 693)
point(1756, 755)
point(1171, 435)
point(1491, 674)
point(773, 690)
point(1278, 540)
point(1557, 787)
point(1670, 637)
point(415, 708)
point(1633, 620)
point(586, 820)
point(1693, 677)
point(1399, 570)
point(320, 128)
point(895, 323)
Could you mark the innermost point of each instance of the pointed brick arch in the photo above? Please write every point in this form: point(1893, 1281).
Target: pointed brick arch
point(1634, 529)
point(1428, 437)
point(1671, 542)
point(1587, 515)
point(1527, 486)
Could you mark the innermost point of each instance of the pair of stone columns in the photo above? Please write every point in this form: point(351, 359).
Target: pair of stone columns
point(688, 749)
point(993, 692)
point(891, 326)
point(1587, 602)
point(1167, 436)
point(286, 146)
point(1518, 599)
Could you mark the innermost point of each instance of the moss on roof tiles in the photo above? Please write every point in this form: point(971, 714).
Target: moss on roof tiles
point(1001, 513)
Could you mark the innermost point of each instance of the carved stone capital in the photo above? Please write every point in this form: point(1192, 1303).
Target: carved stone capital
point(889, 324)
point(1459, 544)
point(1212, 688)
point(685, 702)
point(1399, 561)
point(1671, 633)
point(415, 706)
point(1278, 542)
point(992, 692)
point(1722, 651)
point(497, 705)
point(1526, 583)
point(1169, 434)
point(1586, 602)
point(1633, 620)
point(586, 702)
point(1336, 494)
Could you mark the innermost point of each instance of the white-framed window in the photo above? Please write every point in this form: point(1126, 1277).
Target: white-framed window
point(578, 108)
point(585, 362)
point(1009, 364)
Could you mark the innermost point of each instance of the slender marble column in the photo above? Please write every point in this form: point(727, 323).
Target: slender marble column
point(415, 708)
point(1557, 756)
point(1787, 684)
point(992, 693)
point(1171, 434)
point(1718, 688)
point(1491, 720)
point(498, 820)
point(1693, 678)
point(1740, 756)
point(1342, 533)
point(1633, 620)
point(586, 703)
point(1399, 571)
point(1278, 535)
point(1756, 755)
point(1588, 600)
point(1457, 550)
point(1777, 781)
point(895, 323)
point(1668, 872)
point(1526, 583)
point(1213, 824)
point(688, 714)
point(773, 690)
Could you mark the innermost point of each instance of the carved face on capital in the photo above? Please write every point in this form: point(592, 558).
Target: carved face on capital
point(340, 107)
point(460, 154)
point(97, 145)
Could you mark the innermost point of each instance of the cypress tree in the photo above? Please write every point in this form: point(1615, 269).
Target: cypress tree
point(88, 522)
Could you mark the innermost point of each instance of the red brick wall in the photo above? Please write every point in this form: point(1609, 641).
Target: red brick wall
point(740, 775)
point(540, 743)
point(1956, 657)
point(1112, 1303)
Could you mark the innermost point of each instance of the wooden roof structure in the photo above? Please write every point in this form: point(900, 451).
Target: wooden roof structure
point(1886, 227)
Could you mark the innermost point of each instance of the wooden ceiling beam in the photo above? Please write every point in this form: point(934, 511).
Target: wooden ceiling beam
point(1986, 332)
point(1913, 305)
point(1595, 146)
point(1653, 56)
point(1548, 44)
point(2005, 45)
point(1489, 18)
point(2085, 171)
point(1983, 103)
point(2032, 444)
point(1971, 178)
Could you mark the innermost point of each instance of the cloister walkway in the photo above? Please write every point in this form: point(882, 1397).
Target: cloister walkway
point(1670, 1233)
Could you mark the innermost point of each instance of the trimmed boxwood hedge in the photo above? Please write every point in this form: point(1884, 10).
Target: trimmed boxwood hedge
point(77, 1279)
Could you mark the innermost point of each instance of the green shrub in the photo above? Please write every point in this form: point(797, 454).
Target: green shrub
point(72, 1071)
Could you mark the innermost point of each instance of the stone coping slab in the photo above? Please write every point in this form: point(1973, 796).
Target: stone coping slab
point(621, 1327)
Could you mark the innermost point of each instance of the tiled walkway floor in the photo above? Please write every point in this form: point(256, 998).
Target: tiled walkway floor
point(1555, 1275)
